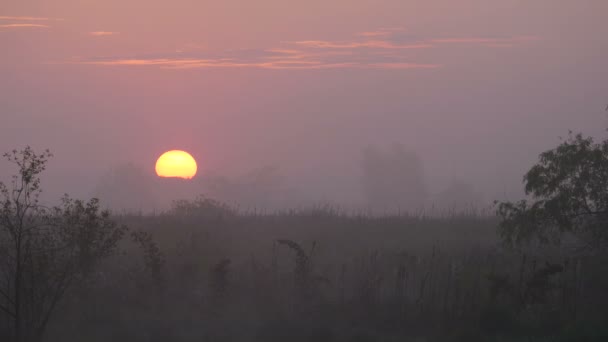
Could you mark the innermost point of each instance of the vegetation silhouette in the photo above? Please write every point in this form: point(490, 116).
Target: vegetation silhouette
point(45, 251)
point(569, 189)
point(206, 271)
point(393, 179)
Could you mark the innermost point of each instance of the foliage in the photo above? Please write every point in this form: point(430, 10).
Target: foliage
point(153, 257)
point(305, 280)
point(373, 278)
point(219, 276)
point(303, 266)
point(202, 207)
point(569, 191)
point(385, 279)
point(45, 251)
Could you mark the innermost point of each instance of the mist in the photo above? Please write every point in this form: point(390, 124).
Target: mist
point(398, 125)
point(481, 117)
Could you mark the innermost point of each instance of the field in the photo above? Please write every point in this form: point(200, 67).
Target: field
point(207, 273)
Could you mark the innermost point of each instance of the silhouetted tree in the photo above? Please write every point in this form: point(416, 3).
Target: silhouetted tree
point(393, 179)
point(153, 259)
point(45, 251)
point(458, 196)
point(569, 195)
point(127, 187)
point(202, 207)
point(261, 187)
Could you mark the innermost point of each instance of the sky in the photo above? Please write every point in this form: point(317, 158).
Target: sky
point(478, 88)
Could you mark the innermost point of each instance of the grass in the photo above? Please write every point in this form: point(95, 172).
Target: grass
point(325, 275)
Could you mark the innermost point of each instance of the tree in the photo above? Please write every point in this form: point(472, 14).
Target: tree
point(127, 187)
point(45, 251)
point(569, 195)
point(202, 207)
point(393, 179)
point(458, 196)
point(261, 187)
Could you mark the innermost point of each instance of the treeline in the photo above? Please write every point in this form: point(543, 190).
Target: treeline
point(205, 272)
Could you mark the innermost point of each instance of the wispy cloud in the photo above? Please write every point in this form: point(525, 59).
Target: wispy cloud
point(190, 63)
point(103, 33)
point(386, 48)
point(374, 34)
point(486, 41)
point(381, 32)
point(285, 51)
point(22, 25)
point(389, 42)
point(19, 22)
point(405, 66)
point(4, 17)
point(380, 44)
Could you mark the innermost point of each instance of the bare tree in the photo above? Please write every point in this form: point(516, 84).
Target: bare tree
point(45, 251)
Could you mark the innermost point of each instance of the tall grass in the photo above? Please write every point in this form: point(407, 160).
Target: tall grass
point(323, 274)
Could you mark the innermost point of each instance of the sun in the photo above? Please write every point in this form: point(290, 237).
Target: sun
point(176, 164)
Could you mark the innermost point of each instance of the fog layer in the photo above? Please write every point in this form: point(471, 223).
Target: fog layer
point(291, 104)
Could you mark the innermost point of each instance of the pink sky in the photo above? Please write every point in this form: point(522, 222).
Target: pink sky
point(478, 87)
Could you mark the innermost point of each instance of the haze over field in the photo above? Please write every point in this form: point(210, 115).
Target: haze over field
point(279, 101)
point(304, 170)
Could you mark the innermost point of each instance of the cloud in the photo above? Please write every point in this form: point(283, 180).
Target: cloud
point(405, 66)
point(486, 41)
point(380, 44)
point(285, 51)
point(103, 33)
point(191, 63)
point(381, 32)
point(22, 25)
point(29, 18)
point(375, 34)
point(385, 39)
point(380, 49)
point(24, 22)
point(145, 61)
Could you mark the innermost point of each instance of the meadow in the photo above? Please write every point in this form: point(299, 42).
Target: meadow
point(205, 272)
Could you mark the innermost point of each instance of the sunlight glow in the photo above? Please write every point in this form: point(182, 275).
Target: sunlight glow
point(176, 164)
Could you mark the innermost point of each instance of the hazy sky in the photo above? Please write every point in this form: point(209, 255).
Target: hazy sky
point(477, 87)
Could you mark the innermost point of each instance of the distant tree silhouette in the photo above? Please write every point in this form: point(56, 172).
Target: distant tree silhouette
point(393, 179)
point(127, 187)
point(458, 195)
point(569, 195)
point(202, 207)
point(45, 251)
point(261, 187)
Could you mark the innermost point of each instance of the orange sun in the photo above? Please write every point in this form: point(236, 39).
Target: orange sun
point(176, 164)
